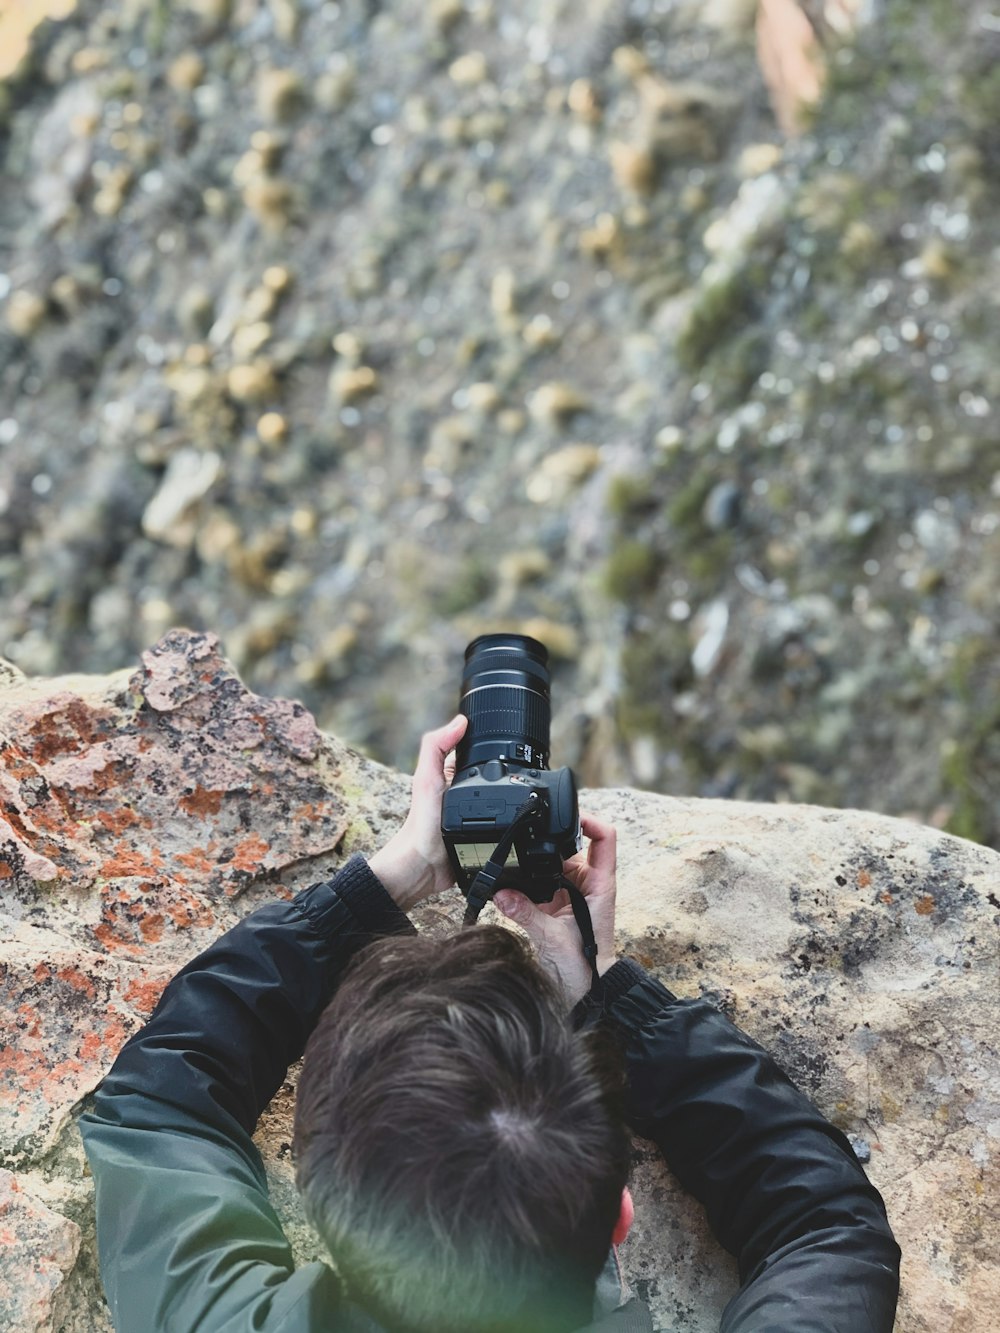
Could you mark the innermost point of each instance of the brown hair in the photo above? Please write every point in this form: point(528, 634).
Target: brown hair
point(461, 1150)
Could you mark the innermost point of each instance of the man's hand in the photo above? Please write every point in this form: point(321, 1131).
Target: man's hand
point(552, 928)
point(413, 865)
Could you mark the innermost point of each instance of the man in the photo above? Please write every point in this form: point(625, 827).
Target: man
point(460, 1142)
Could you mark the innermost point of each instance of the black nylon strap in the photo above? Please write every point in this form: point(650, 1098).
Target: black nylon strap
point(586, 927)
point(482, 888)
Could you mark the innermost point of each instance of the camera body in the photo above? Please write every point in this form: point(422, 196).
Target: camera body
point(502, 766)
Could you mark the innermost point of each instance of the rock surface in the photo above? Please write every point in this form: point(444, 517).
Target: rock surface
point(147, 811)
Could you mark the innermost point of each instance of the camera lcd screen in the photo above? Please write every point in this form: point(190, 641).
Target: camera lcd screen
point(474, 855)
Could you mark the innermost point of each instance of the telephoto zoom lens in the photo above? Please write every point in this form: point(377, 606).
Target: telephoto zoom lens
point(505, 696)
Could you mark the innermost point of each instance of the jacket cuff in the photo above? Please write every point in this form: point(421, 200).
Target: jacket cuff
point(362, 893)
point(625, 978)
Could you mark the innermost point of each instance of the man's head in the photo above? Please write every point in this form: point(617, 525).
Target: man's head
point(461, 1151)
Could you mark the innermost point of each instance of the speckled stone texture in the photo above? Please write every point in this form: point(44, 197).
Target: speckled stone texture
point(147, 811)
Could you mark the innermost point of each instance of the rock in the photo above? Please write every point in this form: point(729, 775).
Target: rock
point(353, 382)
point(25, 313)
point(272, 428)
point(62, 151)
point(469, 70)
point(859, 949)
point(583, 100)
point(195, 311)
point(722, 506)
point(280, 94)
point(33, 1272)
point(211, 12)
point(758, 158)
point(248, 339)
point(186, 72)
point(555, 404)
point(287, 17)
point(503, 293)
point(446, 14)
point(484, 397)
point(271, 201)
point(171, 514)
point(634, 167)
point(710, 626)
point(335, 88)
point(252, 383)
point(278, 279)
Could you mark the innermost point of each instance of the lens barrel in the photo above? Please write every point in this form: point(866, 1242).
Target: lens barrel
point(505, 696)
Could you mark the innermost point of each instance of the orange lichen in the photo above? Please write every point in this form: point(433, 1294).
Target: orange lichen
point(187, 910)
point(143, 995)
point(250, 853)
point(78, 980)
point(6, 870)
point(117, 821)
point(864, 879)
point(924, 905)
point(115, 1034)
point(67, 730)
point(198, 858)
point(202, 802)
point(90, 1047)
point(17, 763)
point(151, 927)
point(126, 861)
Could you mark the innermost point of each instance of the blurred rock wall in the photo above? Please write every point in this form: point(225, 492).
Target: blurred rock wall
point(349, 330)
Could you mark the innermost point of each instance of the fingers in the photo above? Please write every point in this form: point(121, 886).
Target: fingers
point(435, 746)
point(602, 854)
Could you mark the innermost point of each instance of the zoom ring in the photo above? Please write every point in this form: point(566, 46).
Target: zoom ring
point(505, 710)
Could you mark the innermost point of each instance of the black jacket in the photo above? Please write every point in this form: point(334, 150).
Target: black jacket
point(189, 1242)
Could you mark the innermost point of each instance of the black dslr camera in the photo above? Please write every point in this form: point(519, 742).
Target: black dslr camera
point(504, 799)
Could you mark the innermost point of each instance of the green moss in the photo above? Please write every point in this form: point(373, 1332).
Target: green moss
point(631, 570)
point(655, 666)
point(685, 507)
point(710, 559)
point(737, 366)
point(629, 495)
point(725, 308)
point(470, 584)
point(970, 764)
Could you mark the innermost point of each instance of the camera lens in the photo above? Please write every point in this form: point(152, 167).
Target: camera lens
point(505, 696)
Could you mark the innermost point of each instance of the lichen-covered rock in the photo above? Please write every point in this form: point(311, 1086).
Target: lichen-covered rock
point(38, 1248)
point(147, 811)
point(137, 811)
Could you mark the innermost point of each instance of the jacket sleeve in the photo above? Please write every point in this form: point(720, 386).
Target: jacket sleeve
point(782, 1188)
point(186, 1236)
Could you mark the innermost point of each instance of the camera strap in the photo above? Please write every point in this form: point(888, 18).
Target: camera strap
point(482, 888)
point(586, 927)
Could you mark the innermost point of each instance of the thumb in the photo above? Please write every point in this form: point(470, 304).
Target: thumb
point(516, 906)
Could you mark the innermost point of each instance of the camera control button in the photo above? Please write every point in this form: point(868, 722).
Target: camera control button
point(493, 770)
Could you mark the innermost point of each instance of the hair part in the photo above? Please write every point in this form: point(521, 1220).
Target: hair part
point(460, 1149)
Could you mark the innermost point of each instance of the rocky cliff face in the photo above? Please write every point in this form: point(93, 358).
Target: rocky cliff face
point(144, 812)
point(351, 329)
